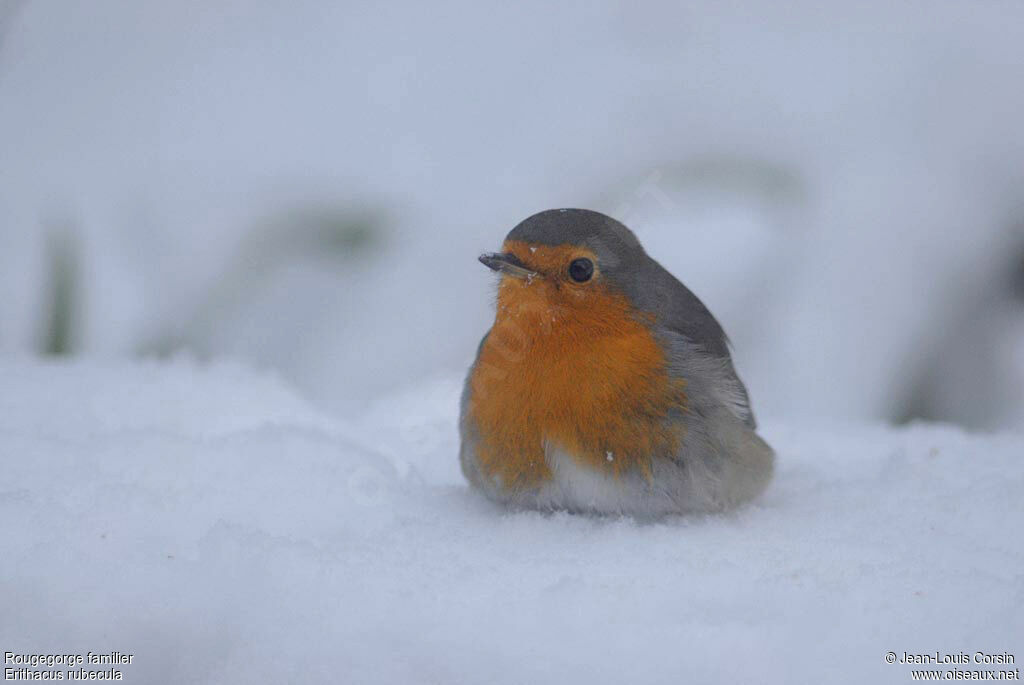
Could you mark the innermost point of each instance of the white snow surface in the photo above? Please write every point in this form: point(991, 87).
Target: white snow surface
point(208, 520)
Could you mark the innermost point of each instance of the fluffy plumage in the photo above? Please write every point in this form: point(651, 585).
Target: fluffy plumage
point(616, 395)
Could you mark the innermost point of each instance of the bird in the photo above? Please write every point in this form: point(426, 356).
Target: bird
point(604, 385)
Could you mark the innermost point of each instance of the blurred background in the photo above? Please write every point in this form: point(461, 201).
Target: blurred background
point(306, 185)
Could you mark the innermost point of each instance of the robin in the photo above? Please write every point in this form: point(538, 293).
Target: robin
point(604, 384)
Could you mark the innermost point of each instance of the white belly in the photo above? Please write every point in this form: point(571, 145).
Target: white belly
point(578, 487)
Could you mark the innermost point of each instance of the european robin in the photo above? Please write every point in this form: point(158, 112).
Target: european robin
point(604, 384)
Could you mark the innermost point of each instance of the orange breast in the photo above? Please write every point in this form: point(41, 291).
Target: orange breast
point(575, 370)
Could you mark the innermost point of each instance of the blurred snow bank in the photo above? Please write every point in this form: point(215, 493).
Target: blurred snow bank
point(215, 525)
point(840, 181)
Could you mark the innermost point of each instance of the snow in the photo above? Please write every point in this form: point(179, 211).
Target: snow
point(210, 521)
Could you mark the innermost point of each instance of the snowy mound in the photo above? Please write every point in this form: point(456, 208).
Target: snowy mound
point(211, 523)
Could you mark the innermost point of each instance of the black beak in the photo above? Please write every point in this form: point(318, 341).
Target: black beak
point(508, 264)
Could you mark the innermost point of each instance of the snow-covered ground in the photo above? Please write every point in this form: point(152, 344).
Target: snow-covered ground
point(211, 522)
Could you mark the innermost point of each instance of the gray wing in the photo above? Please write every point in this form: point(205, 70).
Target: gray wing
point(704, 347)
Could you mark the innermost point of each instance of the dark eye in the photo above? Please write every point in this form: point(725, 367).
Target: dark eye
point(581, 270)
